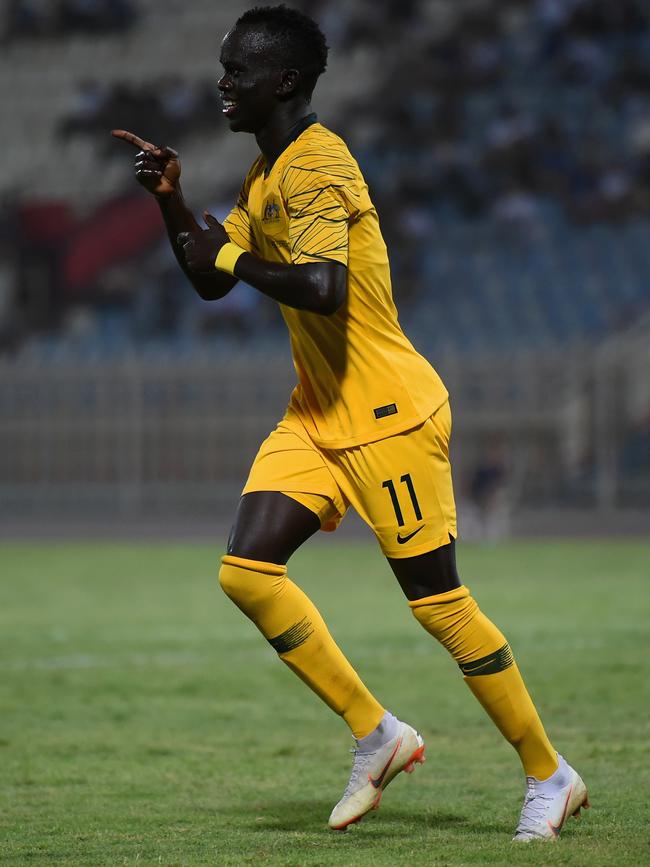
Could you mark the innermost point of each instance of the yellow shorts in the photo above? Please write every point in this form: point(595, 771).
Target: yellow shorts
point(401, 486)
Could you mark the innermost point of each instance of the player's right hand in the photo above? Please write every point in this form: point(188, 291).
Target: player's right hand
point(156, 168)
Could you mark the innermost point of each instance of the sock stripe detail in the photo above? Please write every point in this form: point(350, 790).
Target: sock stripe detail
point(494, 662)
point(292, 637)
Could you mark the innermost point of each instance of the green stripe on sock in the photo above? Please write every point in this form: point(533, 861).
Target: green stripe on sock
point(491, 664)
point(292, 637)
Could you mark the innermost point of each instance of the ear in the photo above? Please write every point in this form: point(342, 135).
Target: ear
point(289, 82)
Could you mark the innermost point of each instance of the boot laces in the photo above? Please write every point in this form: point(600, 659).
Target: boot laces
point(360, 768)
point(534, 809)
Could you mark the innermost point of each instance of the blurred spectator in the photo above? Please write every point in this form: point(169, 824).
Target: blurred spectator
point(635, 455)
point(503, 113)
point(488, 515)
point(29, 18)
point(516, 213)
point(585, 61)
point(42, 229)
point(236, 316)
point(164, 111)
point(552, 157)
point(160, 300)
point(95, 16)
point(510, 144)
point(179, 99)
point(9, 323)
point(88, 110)
point(241, 313)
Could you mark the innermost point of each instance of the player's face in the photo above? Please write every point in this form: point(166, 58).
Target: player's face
point(249, 86)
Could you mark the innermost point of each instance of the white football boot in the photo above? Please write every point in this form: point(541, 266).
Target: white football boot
point(548, 803)
point(373, 771)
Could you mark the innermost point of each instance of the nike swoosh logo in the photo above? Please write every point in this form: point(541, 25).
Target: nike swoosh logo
point(478, 667)
point(377, 781)
point(555, 829)
point(402, 539)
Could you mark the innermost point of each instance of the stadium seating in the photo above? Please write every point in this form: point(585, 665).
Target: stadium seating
point(478, 284)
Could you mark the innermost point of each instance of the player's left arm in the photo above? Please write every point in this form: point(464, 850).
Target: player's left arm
point(320, 287)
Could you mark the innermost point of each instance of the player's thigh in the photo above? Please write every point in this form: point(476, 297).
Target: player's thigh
point(289, 494)
point(402, 487)
point(427, 574)
point(270, 526)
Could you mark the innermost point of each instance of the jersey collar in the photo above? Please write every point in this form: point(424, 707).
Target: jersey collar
point(297, 129)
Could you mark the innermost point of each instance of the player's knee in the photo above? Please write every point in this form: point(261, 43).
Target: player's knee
point(231, 581)
point(455, 619)
point(250, 583)
point(445, 613)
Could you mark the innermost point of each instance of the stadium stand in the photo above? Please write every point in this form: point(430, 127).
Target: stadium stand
point(519, 201)
point(507, 147)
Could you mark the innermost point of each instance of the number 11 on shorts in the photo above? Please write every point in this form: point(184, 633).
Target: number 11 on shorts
point(408, 481)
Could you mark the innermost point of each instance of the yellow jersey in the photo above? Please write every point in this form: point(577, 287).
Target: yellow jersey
point(359, 377)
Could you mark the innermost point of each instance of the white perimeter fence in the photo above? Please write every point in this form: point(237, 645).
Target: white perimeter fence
point(147, 438)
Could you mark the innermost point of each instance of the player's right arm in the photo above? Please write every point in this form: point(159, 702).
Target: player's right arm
point(159, 170)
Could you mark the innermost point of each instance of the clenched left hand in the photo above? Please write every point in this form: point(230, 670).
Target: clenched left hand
point(200, 247)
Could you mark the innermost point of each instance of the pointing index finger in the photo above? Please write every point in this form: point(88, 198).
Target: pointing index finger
point(134, 139)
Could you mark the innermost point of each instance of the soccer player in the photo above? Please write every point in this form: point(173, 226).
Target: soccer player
point(367, 426)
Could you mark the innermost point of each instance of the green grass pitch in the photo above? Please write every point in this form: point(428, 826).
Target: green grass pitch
point(144, 721)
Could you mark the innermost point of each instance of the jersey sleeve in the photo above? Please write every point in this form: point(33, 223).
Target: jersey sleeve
point(237, 224)
point(320, 190)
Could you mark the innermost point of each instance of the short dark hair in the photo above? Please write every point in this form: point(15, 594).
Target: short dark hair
point(299, 37)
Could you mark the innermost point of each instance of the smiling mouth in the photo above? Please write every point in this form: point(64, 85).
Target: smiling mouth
point(229, 106)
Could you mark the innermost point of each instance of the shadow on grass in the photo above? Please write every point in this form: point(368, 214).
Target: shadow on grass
point(287, 816)
point(440, 820)
point(311, 815)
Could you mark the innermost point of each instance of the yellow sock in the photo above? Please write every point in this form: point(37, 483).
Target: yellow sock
point(489, 669)
point(290, 622)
